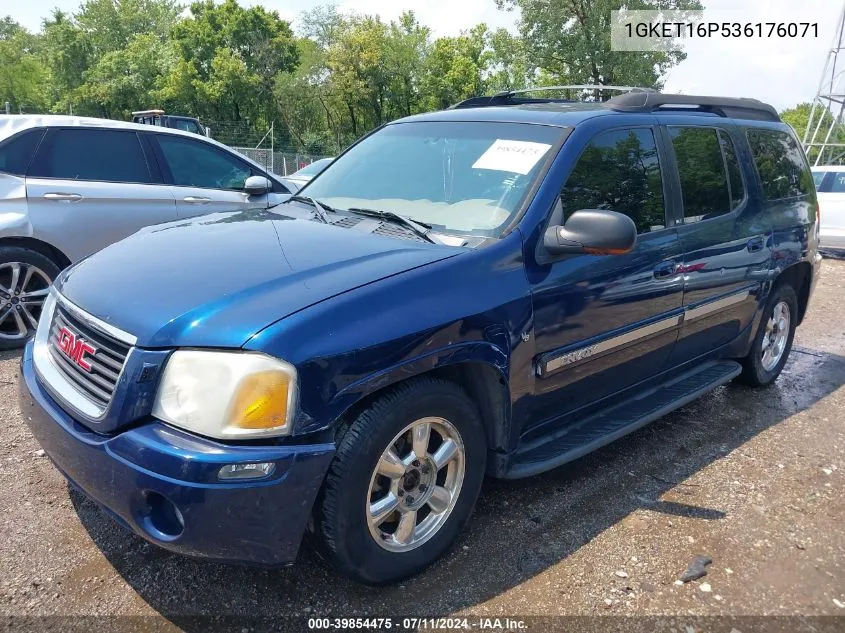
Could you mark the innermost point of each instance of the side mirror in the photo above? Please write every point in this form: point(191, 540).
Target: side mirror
point(257, 185)
point(593, 231)
point(207, 131)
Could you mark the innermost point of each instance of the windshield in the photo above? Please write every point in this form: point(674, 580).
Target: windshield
point(186, 125)
point(468, 177)
point(314, 168)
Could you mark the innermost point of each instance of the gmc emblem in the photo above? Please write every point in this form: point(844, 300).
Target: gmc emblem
point(75, 348)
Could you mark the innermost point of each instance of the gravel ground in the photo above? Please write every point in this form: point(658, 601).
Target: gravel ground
point(752, 478)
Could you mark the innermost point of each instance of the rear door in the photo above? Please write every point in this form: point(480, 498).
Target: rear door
point(831, 195)
point(725, 236)
point(90, 187)
point(205, 178)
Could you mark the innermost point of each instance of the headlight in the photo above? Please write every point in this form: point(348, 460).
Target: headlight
point(227, 395)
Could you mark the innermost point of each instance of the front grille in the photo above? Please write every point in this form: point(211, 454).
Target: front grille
point(106, 363)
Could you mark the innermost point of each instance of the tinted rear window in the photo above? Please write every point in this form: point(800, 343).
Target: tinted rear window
point(82, 154)
point(17, 152)
point(780, 163)
point(703, 173)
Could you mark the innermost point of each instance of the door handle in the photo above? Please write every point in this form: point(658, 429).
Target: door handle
point(755, 244)
point(665, 269)
point(63, 197)
point(196, 200)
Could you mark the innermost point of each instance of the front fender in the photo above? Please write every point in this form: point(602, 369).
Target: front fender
point(470, 352)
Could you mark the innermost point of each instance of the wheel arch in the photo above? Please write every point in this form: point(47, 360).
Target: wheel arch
point(800, 277)
point(49, 251)
point(480, 369)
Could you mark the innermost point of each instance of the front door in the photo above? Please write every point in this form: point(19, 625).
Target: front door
point(605, 322)
point(88, 188)
point(205, 178)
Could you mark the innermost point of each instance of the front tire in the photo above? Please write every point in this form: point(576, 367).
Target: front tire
point(25, 278)
point(771, 347)
point(403, 483)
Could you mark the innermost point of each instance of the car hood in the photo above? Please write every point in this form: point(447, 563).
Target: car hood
point(217, 280)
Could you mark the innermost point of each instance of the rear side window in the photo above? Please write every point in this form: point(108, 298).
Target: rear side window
point(703, 173)
point(198, 164)
point(780, 163)
point(737, 188)
point(836, 182)
point(17, 152)
point(619, 170)
point(99, 155)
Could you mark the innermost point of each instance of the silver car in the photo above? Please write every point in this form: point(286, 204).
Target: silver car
point(70, 186)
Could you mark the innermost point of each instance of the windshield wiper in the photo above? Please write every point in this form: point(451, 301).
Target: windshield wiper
point(319, 208)
point(417, 228)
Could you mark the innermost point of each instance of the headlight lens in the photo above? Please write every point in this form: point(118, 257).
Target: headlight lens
point(227, 395)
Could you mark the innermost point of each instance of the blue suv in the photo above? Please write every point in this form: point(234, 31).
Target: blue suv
point(495, 289)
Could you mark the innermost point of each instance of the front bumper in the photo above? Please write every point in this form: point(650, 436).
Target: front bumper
point(163, 483)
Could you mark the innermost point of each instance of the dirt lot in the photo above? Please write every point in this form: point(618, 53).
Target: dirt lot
point(752, 478)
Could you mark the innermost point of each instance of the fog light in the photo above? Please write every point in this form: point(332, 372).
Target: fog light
point(246, 471)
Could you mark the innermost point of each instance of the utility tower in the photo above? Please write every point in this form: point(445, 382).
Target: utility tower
point(824, 138)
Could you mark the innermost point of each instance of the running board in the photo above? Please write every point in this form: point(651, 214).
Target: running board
point(588, 434)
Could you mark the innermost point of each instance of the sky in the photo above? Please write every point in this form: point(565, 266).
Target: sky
point(780, 71)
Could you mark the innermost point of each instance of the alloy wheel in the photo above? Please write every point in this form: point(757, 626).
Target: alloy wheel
point(23, 289)
point(415, 484)
point(776, 336)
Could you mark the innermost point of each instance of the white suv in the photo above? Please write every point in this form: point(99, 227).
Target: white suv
point(70, 186)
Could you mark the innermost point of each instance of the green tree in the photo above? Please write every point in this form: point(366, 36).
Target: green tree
point(799, 117)
point(67, 51)
point(23, 76)
point(509, 65)
point(455, 68)
point(229, 59)
point(304, 106)
point(407, 47)
point(122, 81)
point(111, 26)
point(569, 40)
point(110, 33)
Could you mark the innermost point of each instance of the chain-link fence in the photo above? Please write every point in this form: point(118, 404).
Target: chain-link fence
point(281, 163)
point(260, 145)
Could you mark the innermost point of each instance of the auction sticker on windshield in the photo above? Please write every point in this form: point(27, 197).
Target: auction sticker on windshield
point(517, 157)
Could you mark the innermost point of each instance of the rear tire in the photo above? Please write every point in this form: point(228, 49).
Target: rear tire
point(25, 278)
point(403, 483)
point(770, 349)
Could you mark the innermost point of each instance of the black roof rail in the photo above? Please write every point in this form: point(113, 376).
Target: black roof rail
point(735, 108)
point(510, 97)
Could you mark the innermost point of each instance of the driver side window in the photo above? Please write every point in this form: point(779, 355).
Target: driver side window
point(197, 164)
point(619, 171)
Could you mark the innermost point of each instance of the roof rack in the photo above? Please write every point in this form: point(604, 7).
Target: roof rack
point(736, 108)
point(509, 97)
point(636, 99)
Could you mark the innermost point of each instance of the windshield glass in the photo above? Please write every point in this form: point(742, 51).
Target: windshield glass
point(314, 168)
point(468, 177)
